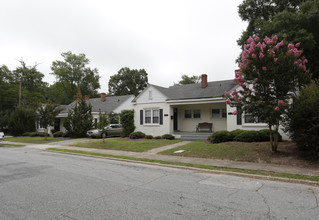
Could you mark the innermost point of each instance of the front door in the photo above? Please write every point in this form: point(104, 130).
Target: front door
point(175, 119)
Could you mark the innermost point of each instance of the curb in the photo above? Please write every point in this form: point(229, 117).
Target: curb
point(200, 170)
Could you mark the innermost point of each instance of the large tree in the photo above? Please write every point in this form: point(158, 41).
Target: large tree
point(189, 79)
point(73, 71)
point(128, 82)
point(271, 72)
point(47, 114)
point(296, 19)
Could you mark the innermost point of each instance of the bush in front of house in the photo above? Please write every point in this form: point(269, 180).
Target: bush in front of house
point(220, 136)
point(168, 136)
point(127, 121)
point(58, 134)
point(264, 135)
point(236, 132)
point(158, 137)
point(248, 136)
point(149, 136)
point(137, 135)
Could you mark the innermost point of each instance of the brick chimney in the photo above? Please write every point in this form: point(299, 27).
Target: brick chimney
point(86, 97)
point(204, 80)
point(103, 96)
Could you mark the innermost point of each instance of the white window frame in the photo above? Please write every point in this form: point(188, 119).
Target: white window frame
point(152, 110)
point(200, 115)
point(191, 113)
point(244, 123)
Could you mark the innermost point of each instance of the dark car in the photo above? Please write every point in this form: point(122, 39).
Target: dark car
point(111, 131)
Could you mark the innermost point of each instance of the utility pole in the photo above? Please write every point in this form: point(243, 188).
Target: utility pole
point(20, 97)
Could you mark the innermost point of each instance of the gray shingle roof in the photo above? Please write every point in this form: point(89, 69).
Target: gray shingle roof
point(195, 91)
point(110, 103)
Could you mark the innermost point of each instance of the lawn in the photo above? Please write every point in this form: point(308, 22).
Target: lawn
point(11, 145)
point(33, 140)
point(205, 149)
point(127, 144)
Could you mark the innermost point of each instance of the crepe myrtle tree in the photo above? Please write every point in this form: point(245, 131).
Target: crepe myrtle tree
point(270, 74)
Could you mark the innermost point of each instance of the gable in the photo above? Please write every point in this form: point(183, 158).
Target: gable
point(151, 94)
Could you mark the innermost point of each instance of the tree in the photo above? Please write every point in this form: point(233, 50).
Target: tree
point(270, 74)
point(295, 19)
point(103, 122)
point(127, 121)
point(79, 119)
point(73, 72)
point(21, 121)
point(303, 123)
point(128, 82)
point(47, 116)
point(189, 79)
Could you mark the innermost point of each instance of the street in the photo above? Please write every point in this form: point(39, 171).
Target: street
point(35, 184)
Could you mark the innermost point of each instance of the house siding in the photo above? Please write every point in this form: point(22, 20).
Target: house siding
point(156, 96)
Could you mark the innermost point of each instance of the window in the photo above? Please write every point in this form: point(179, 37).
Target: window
point(215, 113)
point(219, 113)
point(188, 113)
point(152, 116)
point(196, 113)
point(249, 119)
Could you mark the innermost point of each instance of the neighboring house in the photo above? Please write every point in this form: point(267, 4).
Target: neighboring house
point(104, 104)
point(180, 108)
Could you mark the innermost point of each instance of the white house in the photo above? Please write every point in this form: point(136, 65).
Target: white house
point(104, 104)
point(179, 109)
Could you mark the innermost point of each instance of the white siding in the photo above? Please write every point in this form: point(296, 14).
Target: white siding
point(156, 96)
point(155, 130)
point(127, 105)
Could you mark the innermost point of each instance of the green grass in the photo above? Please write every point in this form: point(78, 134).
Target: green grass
point(208, 150)
point(33, 140)
point(11, 145)
point(126, 144)
point(256, 172)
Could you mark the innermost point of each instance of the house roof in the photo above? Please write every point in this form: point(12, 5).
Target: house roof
point(195, 91)
point(110, 103)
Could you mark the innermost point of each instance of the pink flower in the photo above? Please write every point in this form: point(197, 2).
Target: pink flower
point(226, 93)
point(305, 61)
point(275, 59)
point(264, 68)
point(275, 38)
point(250, 39)
point(227, 101)
point(257, 38)
point(291, 46)
point(253, 56)
point(277, 108)
point(261, 56)
point(259, 101)
point(235, 112)
point(280, 102)
point(298, 44)
point(255, 80)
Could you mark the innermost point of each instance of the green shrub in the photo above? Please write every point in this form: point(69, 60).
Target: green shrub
point(158, 137)
point(58, 134)
point(137, 135)
point(264, 135)
point(220, 136)
point(303, 122)
point(21, 121)
point(127, 121)
point(168, 136)
point(236, 132)
point(248, 136)
point(26, 134)
point(149, 137)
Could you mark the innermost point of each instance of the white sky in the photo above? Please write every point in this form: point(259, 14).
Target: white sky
point(167, 38)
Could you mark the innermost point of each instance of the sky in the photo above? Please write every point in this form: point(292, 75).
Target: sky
point(167, 38)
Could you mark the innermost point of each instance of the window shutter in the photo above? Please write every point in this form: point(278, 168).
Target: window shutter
point(141, 117)
point(161, 116)
point(239, 118)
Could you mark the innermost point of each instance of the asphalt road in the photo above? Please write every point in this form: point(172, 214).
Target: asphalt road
point(44, 185)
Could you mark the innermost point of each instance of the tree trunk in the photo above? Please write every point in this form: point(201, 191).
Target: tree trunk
point(274, 138)
point(46, 134)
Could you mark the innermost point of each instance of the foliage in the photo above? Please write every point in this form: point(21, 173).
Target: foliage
point(304, 120)
point(47, 114)
point(127, 121)
point(149, 136)
point(236, 132)
point(264, 135)
point(59, 134)
point(79, 119)
point(73, 72)
point(271, 72)
point(128, 82)
point(103, 122)
point(113, 118)
point(137, 135)
point(189, 79)
point(21, 121)
point(248, 136)
point(34, 134)
point(296, 19)
point(158, 137)
point(220, 136)
point(168, 136)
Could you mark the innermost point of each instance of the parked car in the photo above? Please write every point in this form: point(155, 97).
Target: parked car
point(111, 130)
point(1, 136)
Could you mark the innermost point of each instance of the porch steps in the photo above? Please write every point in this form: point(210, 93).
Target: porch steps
point(195, 137)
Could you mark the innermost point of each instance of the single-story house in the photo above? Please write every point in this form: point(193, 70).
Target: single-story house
point(104, 104)
point(179, 109)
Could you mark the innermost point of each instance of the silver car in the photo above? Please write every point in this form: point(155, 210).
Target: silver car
point(111, 130)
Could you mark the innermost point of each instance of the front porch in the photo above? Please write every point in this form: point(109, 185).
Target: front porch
point(192, 136)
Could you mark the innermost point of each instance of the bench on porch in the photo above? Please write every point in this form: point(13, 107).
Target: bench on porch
point(204, 125)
